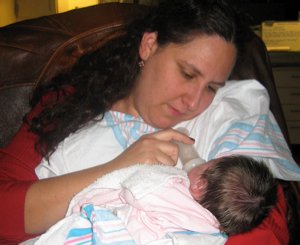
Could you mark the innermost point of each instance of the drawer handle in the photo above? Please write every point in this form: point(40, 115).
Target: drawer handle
point(295, 94)
point(295, 111)
point(295, 76)
point(294, 127)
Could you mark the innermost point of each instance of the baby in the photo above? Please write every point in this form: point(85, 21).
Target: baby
point(150, 203)
point(238, 190)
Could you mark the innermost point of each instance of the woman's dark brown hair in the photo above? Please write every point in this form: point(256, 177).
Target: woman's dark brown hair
point(107, 75)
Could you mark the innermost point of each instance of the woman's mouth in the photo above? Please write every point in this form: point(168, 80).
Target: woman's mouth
point(174, 111)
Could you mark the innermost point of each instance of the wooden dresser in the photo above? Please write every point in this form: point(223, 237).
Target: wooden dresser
point(286, 70)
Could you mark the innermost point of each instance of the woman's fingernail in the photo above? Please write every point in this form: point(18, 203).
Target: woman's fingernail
point(192, 139)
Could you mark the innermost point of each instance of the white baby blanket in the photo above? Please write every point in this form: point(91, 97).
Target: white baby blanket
point(142, 204)
point(239, 122)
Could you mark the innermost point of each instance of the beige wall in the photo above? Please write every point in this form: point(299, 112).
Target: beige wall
point(7, 12)
point(28, 9)
point(65, 5)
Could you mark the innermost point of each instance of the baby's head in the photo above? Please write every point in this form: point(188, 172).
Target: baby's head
point(238, 190)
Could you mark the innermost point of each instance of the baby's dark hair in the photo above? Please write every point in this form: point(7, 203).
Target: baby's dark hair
point(240, 192)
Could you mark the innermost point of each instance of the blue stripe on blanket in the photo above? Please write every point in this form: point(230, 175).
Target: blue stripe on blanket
point(115, 243)
point(287, 165)
point(79, 232)
point(231, 139)
point(271, 123)
point(264, 139)
point(102, 228)
point(128, 129)
point(116, 129)
point(194, 233)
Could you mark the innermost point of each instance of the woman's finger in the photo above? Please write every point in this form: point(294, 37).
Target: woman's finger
point(163, 158)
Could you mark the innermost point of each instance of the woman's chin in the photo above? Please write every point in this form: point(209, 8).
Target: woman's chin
point(164, 124)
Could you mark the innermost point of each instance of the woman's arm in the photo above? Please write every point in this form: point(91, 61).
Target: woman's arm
point(17, 163)
point(49, 198)
point(35, 205)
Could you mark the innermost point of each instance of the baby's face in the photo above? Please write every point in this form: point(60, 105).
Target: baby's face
point(197, 183)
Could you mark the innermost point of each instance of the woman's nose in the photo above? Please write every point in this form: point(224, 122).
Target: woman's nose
point(192, 98)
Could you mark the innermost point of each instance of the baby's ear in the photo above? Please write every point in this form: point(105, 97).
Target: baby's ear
point(197, 188)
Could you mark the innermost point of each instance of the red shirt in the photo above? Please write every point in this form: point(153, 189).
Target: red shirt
point(17, 172)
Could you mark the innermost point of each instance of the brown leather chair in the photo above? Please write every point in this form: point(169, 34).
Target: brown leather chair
point(33, 51)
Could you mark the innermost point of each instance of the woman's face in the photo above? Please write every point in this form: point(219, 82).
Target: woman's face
point(179, 81)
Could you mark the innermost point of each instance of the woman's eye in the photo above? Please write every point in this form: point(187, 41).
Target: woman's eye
point(187, 75)
point(213, 89)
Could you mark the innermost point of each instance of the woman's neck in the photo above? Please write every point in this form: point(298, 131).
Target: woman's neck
point(126, 106)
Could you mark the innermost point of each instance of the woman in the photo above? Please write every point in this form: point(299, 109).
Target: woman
point(165, 70)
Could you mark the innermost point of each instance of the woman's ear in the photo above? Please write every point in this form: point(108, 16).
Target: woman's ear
point(148, 45)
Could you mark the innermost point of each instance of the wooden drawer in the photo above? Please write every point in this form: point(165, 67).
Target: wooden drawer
point(289, 95)
point(291, 112)
point(287, 76)
point(294, 131)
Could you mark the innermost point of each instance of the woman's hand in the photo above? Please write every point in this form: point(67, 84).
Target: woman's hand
point(158, 147)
